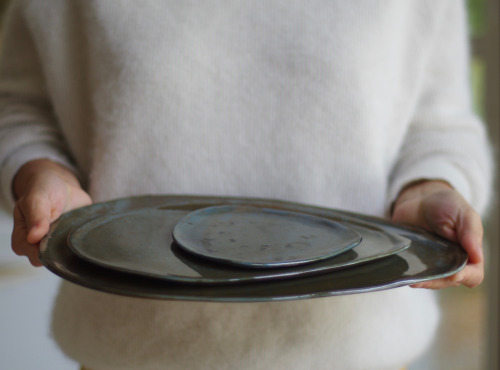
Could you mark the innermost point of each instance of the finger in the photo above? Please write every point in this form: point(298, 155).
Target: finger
point(441, 213)
point(34, 256)
point(29, 250)
point(470, 235)
point(19, 232)
point(20, 245)
point(435, 284)
point(37, 215)
point(471, 276)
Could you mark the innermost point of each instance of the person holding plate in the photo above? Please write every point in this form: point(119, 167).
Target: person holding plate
point(363, 106)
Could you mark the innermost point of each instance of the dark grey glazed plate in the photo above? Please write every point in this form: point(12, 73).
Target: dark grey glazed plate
point(248, 236)
point(140, 242)
point(427, 258)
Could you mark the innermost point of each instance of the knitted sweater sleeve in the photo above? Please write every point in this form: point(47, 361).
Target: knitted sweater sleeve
point(446, 140)
point(28, 128)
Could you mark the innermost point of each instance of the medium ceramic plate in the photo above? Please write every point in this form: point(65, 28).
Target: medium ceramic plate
point(140, 242)
point(261, 237)
point(428, 257)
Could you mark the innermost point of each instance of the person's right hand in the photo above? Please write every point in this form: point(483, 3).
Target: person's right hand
point(44, 190)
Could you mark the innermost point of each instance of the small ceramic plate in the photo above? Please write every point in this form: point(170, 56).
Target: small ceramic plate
point(140, 243)
point(262, 237)
point(428, 257)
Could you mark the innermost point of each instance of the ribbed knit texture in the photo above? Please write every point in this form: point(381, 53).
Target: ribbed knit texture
point(337, 103)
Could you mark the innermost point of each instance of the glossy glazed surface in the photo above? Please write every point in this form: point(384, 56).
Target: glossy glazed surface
point(140, 242)
point(261, 237)
point(428, 257)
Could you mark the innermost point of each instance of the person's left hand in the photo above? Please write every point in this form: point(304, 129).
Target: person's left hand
point(437, 207)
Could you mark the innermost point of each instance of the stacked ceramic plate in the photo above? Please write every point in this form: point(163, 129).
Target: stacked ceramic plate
point(237, 249)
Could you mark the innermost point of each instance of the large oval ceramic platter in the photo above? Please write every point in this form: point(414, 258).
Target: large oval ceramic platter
point(140, 242)
point(428, 257)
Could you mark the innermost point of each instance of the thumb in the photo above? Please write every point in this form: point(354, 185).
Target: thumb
point(37, 215)
point(470, 234)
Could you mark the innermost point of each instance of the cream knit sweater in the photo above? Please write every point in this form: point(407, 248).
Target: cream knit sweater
point(332, 103)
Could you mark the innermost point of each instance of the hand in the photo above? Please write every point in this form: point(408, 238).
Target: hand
point(44, 190)
point(437, 207)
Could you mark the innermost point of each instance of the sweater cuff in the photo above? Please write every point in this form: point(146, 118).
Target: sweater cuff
point(432, 169)
point(22, 156)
